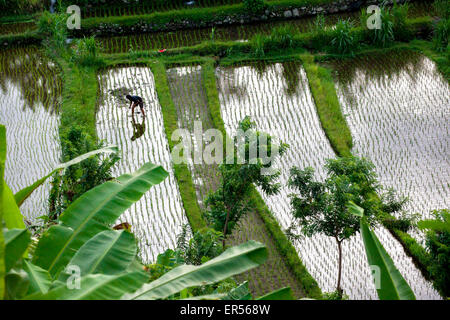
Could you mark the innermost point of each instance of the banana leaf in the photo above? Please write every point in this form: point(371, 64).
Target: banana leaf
point(392, 285)
point(40, 279)
point(16, 243)
point(96, 287)
point(233, 261)
point(109, 252)
point(91, 214)
point(280, 294)
point(23, 194)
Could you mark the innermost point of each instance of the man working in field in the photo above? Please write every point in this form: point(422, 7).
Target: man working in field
point(136, 101)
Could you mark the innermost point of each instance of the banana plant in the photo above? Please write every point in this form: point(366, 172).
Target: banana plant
point(104, 260)
point(390, 284)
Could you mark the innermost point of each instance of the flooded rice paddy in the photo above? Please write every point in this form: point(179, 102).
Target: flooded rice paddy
point(181, 38)
point(158, 217)
point(278, 99)
point(188, 95)
point(30, 95)
point(398, 110)
point(16, 27)
point(187, 90)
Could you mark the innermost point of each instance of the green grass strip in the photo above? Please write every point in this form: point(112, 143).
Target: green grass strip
point(181, 171)
point(79, 104)
point(283, 244)
point(413, 249)
point(328, 108)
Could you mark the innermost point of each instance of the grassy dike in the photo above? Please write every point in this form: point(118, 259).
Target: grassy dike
point(327, 104)
point(328, 108)
point(182, 173)
point(79, 102)
point(284, 246)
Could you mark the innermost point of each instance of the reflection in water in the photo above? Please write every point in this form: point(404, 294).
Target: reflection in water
point(29, 98)
point(35, 75)
point(397, 107)
point(294, 120)
point(138, 128)
point(158, 216)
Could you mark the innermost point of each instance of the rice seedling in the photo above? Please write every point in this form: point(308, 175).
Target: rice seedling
point(397, 107)
point(30, 95)
point(17, 27)
point(159, 216)
point(291, 116)
point(186, 86)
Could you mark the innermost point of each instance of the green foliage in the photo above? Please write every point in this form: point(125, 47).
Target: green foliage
point(321, 207)
point(204, 245)
point(78, 178)
point(254, 6)
point(399, 18)
point(16, 7)
point(343, 41)
point(335, 295)
point(2, 208)
point(438, 245)
point(233, 261)
point(54, 28)
point(442, 8)
point(389, 282)
point(385, 35)
point(441, 34)
point(86, 52)
point(228, 203)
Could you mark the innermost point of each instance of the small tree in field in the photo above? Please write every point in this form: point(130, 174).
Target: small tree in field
point(230, 201)
point(321, 207)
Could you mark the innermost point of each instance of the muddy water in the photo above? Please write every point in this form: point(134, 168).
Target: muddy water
point(278, 99)
point(158, 217)
point(398, 110)
point(30, 94)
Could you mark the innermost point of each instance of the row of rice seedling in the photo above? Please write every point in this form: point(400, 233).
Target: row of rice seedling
point(17, 27)
point(398, 111)
point(181, 38)
point(187, 90)
point(278, 99)
point(30, 94)
point(186, 87)
point(150, 7)
point(158, 217)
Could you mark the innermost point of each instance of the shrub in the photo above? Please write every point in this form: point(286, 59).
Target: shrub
point(79, 178)
point(10, 7)
point(440, 35)
point(442, 8)
point(283, 36)
point(254, 6)
point(86, 52)
point(385, 34)
point(258, 44)
point(399, 16)
point(54, 28)
point(203, 246)
point(343, 42)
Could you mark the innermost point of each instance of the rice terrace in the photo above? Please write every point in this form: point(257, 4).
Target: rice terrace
point(224, 150)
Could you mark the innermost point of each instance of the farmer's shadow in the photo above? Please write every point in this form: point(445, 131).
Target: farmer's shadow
point(138, 128)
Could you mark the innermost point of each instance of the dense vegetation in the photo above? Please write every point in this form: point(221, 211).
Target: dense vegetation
point(348, 202)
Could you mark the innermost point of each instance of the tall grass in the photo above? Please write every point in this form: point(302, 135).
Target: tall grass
point(343, 41)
